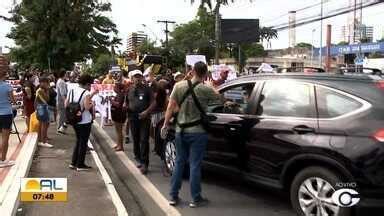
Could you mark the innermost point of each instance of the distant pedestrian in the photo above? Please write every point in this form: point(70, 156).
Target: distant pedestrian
point(81, 94)
point(161, 99)
point(178, 76)
point(6, 114)
point(62, 91)
point(52, 103)
point(42, 111)
point(140, 105)
point(28, 97)
point(191, 137)
point(109, 79)
point(119, 114)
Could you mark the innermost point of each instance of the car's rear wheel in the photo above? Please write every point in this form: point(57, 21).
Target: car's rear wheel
point(311, 193)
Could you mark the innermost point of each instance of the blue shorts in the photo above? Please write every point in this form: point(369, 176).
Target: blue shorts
point(6, 121)
point(42, 113)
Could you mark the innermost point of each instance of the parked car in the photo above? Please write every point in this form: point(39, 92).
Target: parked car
point(308, 134)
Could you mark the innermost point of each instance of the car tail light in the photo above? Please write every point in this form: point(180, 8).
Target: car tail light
point(380, 84)
point(379, 135)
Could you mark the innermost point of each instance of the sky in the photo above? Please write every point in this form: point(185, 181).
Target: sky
point(130, 15)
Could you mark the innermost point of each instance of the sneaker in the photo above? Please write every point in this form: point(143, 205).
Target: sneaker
point(47, 145)
point(198, 203)
point(65, 125)
point(61, 130)
point(138, 163)
point(71, 167)
point(144, 170)
point(174, 201)
point(83, 168)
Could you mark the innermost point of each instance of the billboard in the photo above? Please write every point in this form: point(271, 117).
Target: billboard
point(240, 30)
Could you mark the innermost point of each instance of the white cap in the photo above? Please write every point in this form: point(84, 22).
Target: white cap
point(177, 74)
point(52, 84)
point(135, 72)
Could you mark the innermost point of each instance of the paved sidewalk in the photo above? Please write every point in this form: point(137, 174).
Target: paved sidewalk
point(87, 193)
point(14, 146)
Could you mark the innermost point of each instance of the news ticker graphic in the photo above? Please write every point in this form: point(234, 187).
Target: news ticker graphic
point(43, 190)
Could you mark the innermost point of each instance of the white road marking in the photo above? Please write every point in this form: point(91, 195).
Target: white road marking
point(142, 180)
point(120, 208)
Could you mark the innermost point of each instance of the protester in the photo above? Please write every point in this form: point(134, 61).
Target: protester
point(178, 76)
point(42, 111)
point(161, 99)
point(191, 138)
point(82, 129)
point(107, 118)
point(28, 97)
point(6, 114)
point(52, 102)
point(119, 113)
point(127, 81)
point(223, 77)
point(141, 104)
point(109, 79)
point(62, 90)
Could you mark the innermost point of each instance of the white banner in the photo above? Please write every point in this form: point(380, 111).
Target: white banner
point(193, 59)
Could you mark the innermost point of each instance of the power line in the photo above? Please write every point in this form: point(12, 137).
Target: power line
point(308, 20)
point(297, 10)
point(166, 22)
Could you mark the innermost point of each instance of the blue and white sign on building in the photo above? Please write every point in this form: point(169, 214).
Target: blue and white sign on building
point(354, 49)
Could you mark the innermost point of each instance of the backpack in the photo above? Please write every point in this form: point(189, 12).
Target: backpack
point(73, 111)
point(205, 119)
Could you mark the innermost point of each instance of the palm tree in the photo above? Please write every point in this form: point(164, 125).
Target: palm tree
point(268, 33)
point(217, 21)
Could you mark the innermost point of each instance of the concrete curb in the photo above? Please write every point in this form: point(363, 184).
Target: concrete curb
point(10, 189)
point(152, 201)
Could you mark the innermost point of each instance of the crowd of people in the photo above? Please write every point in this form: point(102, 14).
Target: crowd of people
point(140, 103)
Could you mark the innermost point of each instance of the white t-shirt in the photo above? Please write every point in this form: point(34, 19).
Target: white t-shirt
point(77, 91)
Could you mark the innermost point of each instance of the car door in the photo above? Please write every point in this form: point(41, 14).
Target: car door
point(287, 121)
point(225, 144)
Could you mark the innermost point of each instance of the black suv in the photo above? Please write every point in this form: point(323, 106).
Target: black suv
point(308, 134)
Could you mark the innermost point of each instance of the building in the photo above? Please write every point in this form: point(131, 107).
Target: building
point(367, 33)
point(352, 37)
point(134, 40)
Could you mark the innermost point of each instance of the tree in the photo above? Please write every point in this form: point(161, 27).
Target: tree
point(101, 65)
point(195, 36)
point(57, 33)
point(380, 40)
point(304, 45)
point(268, 33)
point(365, 40)
point(217, 21)
point(149, 47)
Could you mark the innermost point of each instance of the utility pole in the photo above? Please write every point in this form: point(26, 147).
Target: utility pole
point(217, 31)
point(321, 35)
point(166, 22)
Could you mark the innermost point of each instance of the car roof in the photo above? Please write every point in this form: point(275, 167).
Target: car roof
point(355, 77)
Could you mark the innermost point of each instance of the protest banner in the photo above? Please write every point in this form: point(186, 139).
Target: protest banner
point(218, 70)
point(193, 59)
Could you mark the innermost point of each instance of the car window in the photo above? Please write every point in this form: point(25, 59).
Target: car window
point(332, 104)
point(236, 99)
point(286, 99)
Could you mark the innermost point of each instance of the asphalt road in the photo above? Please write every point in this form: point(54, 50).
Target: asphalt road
point(227, 195)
